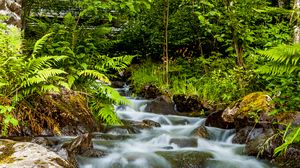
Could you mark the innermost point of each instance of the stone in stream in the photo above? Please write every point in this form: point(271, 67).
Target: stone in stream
point(291, 159)
point(150, 92)
point(186, 159)
point(249, 111)
point(82, 145)
point(145, 124)
point(27, 155)
point(184, 142)
point(187, 103)
point(215, 120)
point(201, 132)
point(161, 105)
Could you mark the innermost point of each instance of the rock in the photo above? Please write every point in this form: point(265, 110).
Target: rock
point(13, 10)
point(252, 109)
point(161, 105)
point(215, 120)
point(82, 145)
point(150, 92)
point(187, 103)
point(291, 159)
point(28, 155)
point(186, 159)
point(201, 132)
point(246, 134)
point(151, 123)
point(121, 129)
point(64, 113)
point(118, 84)
point(261, 144)
point(292, 118)
point(184, 142)
point(145, 124)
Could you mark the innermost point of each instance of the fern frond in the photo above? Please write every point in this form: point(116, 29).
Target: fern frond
point(112, 94)
point(47, 73)
point(64, 84)
point(283, 59)
point(31, 81)
point(108, 115)
point(43, 62)
point(119, 63)
point(94, 74)
point(49, 88)
point(39, 44)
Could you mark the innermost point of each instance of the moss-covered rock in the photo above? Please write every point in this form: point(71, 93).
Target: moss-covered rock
point(250, 110)
point(64, 113)
point(186, 159)
point(26, 155)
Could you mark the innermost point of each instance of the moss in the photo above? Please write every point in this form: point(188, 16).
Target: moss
point(6, 152)
point(252, 104)
point(179, 159)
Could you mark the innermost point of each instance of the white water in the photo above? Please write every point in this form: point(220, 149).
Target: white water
point(139, 151)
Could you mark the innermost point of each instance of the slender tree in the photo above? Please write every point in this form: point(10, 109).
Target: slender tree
point(166, 40)
point(296, 14)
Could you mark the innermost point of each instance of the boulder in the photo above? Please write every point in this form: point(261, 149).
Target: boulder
point(145, 124)
point(252, 109)
point(291, 159)
point(82, 145)
point(184, 142)
point(186, 159)
point(215, 120)
point(118, 84)
point(64, 113)
point(246, 134)
point(27, 155)
point(150, 92)
point(187, 103)
point(261, 143)
point(161, 105)
point(201, 132)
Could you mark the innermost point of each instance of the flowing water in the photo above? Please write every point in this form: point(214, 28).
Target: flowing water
point(144, 150)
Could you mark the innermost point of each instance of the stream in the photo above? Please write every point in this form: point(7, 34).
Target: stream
point(171, 145)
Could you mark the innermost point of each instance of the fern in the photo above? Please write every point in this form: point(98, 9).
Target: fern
point(292, 137)
point(39, 44)
point(108, 115)
point(284, 59)
point(94, 74)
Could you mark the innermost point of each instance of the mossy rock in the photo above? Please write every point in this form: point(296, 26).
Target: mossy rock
point(6, 150)
point(251, 108)
point(64, 113)
point(186, 159)
point(25, 154)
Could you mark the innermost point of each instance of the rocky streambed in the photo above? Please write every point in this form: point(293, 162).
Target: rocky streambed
point(151, 140)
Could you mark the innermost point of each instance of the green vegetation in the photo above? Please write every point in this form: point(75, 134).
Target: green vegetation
point(218, 50)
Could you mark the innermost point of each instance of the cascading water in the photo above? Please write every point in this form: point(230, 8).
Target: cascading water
point(144, 150)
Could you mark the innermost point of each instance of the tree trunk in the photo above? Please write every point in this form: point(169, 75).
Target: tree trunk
point(238, 49)
point(166, 41)
point(297, 25)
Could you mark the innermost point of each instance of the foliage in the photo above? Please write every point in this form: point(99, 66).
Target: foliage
point(217, 86)
point(87, 63)
point(35, 75)
point(291, 135)
point(284, 59)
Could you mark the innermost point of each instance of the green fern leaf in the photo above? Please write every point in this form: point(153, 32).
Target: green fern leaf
point(94, 74)
point(39, 44)
point(284, 59)
point(47, 73)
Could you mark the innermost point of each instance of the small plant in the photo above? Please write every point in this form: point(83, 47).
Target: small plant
point(290, 136)
point(7, 119)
